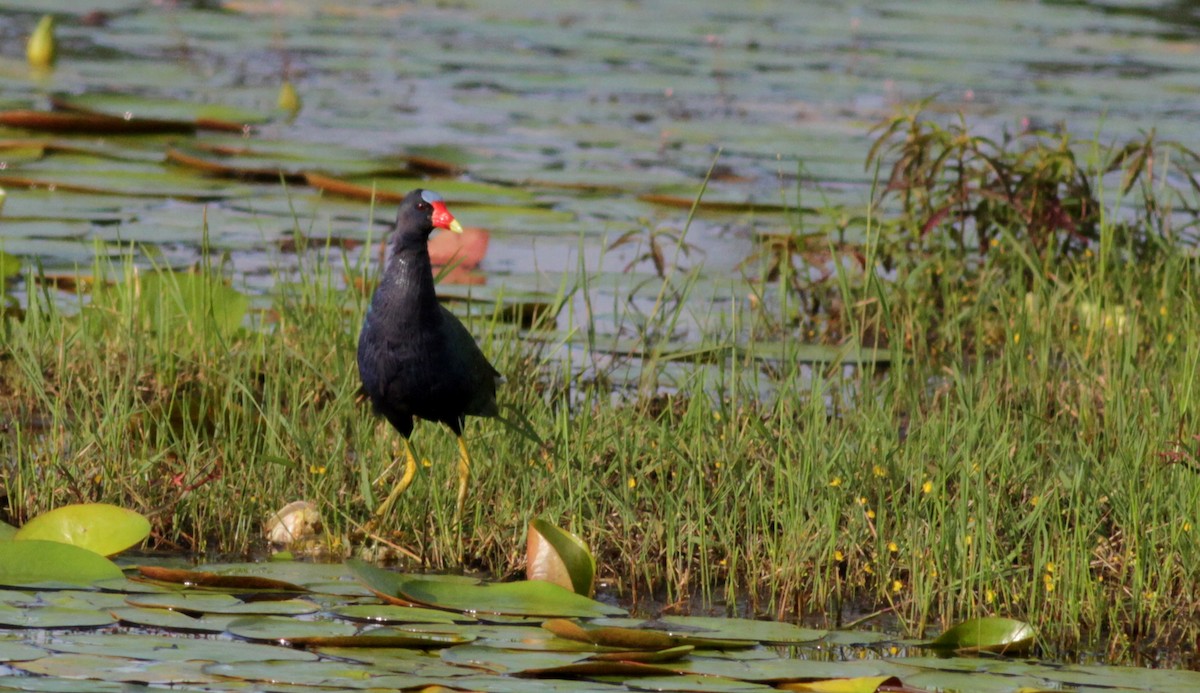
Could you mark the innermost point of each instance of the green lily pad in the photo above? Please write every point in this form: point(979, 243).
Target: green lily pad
point(49, 563)
point(37, 616)
point(99, 527)
point(172, 620)
point(209, 603)
point(101, 668)
point(7, 531)
point(281, 628)
point(528, 598)
point(204, 116)
point(987, 634)
point(200, 578)
point(342, 675)
point(391, 613)
point(696, 684)
point(12, 650)
point(555, 555)
point(166, 648)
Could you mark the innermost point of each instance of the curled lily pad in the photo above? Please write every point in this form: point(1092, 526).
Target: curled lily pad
point(99, 527)
point(987, 634)
point(555, 555)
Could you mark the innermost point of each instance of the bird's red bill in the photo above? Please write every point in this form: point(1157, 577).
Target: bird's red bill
point(443, 219)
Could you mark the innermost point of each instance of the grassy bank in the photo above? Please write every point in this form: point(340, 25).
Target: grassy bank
point(1030, 451)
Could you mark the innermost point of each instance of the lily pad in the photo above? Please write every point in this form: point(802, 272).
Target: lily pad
point(7, 531)
point(199, 578)
point(527, 598)
point(557, 556)
point(987, 634)
point(203, 116)
point(49, 563)
point(37, 616)
point(99, 527)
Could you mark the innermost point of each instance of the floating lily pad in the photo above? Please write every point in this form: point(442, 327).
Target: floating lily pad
point(172, 620)
point(987, 634)
point(611, 636)
point(7, 531)
point(50, 563)
point(198, 578)
point(37, 616)
point(282, 629)
point(527, 598)
point(102, 668)
point(209, 603)
point(166, 648)
point(99, 527)
point(390, 613)
point(697, 684)
point(392, 190)
point(204, 116)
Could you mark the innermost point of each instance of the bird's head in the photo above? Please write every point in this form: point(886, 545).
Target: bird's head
point(421, 212)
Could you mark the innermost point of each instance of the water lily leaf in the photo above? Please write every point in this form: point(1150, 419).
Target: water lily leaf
point(393, 190)
point(99, 527)
point(282, 629)
point(199, 578)
point(689, 629)
point(166, 648)
point(39, 616)
point(102, 668)
point(204, 116)
point(670, 654)
point(7, 531)
point(863, 684)
point(527, 598)
point(558, 556)
point(708, 203)
point(17, 651)
point(987, 634)
point(764, 670)
point(342, 675)
point(391, 613)
point(168, 619)
point(46, 563)
point(218, 603)
point(611, 636)
point(90, 123)
point(695, 684)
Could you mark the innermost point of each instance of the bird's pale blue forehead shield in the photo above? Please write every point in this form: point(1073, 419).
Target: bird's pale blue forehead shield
point(430, 196)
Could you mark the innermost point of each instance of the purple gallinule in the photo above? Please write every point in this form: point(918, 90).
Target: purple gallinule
point(415, 358)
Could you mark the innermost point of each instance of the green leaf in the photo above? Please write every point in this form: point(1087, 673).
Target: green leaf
point(555, 555)
point(987, 634)
point(99, 527)
point(7, 531)
point(528, 598)
point(35, 562)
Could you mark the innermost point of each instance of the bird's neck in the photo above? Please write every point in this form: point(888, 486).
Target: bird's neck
point(407, 283)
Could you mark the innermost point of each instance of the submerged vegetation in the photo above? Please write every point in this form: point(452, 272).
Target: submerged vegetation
point(1023, 441)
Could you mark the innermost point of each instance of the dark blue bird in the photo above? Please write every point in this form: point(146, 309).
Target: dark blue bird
point(415, 358)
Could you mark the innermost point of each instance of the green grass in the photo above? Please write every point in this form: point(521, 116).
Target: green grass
point(1030, 451)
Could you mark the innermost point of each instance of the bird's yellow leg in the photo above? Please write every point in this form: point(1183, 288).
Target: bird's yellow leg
point(464, 475)
point(410, 470)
